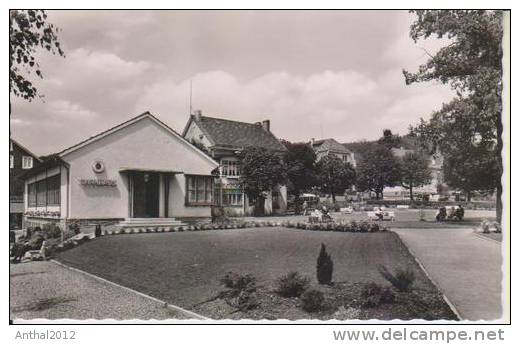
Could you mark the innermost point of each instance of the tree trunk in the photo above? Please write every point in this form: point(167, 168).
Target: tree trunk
point(411, 193)
point(260, 206)
point(468, 196)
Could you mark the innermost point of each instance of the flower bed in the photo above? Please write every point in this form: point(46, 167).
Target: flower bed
point(339, 226)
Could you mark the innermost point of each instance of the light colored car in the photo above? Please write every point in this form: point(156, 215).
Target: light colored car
point(382, 215)
point(346, 210)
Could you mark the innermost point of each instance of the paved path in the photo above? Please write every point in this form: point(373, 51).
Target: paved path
point(50, 291)
point(466, 267)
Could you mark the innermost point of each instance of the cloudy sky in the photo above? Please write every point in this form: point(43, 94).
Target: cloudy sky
point(312, 73)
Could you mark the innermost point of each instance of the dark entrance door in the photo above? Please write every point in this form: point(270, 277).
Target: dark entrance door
point(146, 195)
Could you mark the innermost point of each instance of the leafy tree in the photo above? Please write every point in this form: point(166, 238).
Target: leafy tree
point(301, 167)
point(471, 169)
point(471, 63)
point(415, 171)
point(377, 169)
point(28, 31)
point(335, 175)
point(260, 170)
point(389, 140)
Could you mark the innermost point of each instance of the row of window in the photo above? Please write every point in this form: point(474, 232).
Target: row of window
point(230, 168)
point(27, 162)
point(200, 191)
point(44, 192)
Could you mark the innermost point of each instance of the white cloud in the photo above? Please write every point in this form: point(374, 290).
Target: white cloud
point(342, 104)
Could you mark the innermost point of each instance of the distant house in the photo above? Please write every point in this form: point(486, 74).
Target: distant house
point(327, 147)
point(20, 161)
point(223, 139)
point(140, 172)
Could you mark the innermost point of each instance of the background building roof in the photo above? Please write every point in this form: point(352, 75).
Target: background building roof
point(233, 134)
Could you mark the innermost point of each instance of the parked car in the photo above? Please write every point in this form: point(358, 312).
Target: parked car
point(346, 210)
point(381, 214)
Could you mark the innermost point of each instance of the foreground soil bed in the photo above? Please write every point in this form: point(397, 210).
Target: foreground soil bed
point(185, 268)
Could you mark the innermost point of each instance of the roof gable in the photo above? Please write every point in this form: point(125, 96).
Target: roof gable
point(16, 143)
point(330, 145)
point(145, 115)
point(234, 134)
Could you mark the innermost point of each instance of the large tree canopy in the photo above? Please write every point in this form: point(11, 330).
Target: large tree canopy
point(260, 171)
point(28, 31)
point(301, 167)
point(415, 171)
point(377, 169)
point(335, 175)
point(471, 63)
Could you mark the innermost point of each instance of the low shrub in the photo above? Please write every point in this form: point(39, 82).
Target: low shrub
point(238, 282)
point(324, 266)
point(312, 300)
point(245, 300)
point(401, 279)
point(241, 291)
point(374, 295)
point(292, 284)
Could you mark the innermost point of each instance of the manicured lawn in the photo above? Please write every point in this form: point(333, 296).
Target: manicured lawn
point(185, 268)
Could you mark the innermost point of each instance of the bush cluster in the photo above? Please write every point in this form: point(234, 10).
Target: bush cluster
point(312, 300)
point(374, 295)
point(401, 279)
point(292, 285)
point(241, 290)
point(349, 226)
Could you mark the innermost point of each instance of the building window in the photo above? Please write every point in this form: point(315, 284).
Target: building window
point(230, 168)
point(31, 190)
point(53, 190)
point(44, 192)
point(27, 162)
point(199, 190)
point(232, 197)
point(11, 161)
point(41, 193)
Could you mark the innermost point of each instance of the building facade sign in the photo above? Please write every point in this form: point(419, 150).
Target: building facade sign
point(98, 182)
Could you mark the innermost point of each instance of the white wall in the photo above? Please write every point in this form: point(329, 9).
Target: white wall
point(177, 198)
point(196, 134)
point(142, 145)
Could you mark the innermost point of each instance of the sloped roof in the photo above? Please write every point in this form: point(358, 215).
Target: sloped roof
point(234, 134)
point(24, 149)
point(330, 145)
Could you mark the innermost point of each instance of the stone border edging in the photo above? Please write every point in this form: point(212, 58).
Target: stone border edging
point(191, 315)
point(421, 266)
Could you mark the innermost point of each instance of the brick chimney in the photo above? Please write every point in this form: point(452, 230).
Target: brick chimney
point(266, 124)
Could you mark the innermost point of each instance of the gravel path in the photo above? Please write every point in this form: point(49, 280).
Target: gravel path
point(467, 268)
point(47, 290)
